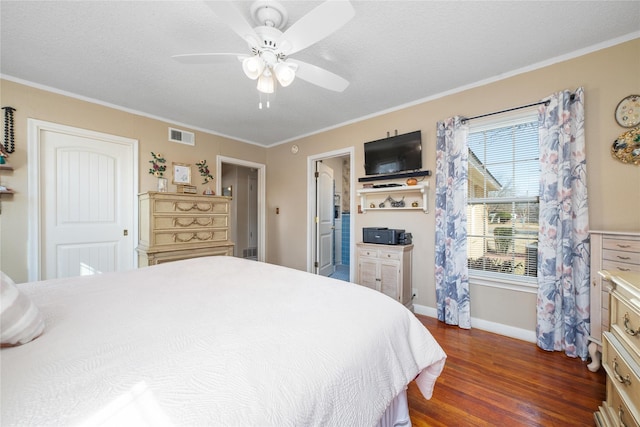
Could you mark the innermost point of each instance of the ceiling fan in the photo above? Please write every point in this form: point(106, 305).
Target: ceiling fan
point(269, 59)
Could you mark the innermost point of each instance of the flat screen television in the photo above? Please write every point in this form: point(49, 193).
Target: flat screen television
point(400, 153)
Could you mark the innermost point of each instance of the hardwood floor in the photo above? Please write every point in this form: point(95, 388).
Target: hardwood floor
point(492, 380)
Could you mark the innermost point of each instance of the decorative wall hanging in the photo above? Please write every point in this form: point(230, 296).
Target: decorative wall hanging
point(628, 111)
point(9, 136)
point(181, 174)
point(627, 147)
point(157, 169)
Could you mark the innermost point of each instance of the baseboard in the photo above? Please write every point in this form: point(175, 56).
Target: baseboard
point(485, 325)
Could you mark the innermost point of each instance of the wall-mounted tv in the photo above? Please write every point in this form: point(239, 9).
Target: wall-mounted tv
point(400, 153)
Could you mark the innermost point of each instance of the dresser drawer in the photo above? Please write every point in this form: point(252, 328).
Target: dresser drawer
point(625, 322)
point(621, 244)
point(191, 206)
point(623, 372)
point(614, 267)
point(618, 413)
point(373, 253)
point(389, 255)
point(621, 256)
point(191, 237)
point(190, 222)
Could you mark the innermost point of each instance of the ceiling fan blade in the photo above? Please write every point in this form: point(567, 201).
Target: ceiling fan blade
point(319, 76)
point(316, 25)
point(206, 58)
point(232, 17)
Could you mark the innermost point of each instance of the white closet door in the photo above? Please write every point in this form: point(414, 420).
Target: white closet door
point(86, 204)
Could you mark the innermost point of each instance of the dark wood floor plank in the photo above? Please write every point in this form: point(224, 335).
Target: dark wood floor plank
point(492, 380)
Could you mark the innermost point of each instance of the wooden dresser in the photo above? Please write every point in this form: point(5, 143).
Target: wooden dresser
point(387, 269)
point(177, 226)
point(612, 252)
point(621, 353)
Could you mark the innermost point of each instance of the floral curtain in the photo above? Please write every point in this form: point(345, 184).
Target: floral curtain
point(451, 271)
point(563, 239)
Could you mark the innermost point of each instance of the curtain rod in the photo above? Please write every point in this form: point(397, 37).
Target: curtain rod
point(572, 98)
point(505, 111)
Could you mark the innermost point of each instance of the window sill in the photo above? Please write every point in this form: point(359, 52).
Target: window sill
point(519, 284)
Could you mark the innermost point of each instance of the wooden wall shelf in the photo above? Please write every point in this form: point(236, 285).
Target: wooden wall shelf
point(371, 198)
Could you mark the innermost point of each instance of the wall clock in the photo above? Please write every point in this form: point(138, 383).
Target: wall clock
point(294, 149)
point(628, 111)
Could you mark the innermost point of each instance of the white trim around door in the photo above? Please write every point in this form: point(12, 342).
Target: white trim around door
point(311, 205)
point(262, 213)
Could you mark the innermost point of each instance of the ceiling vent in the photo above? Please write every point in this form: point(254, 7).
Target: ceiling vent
point(182, 136)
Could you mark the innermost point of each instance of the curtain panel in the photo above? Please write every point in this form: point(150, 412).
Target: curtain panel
point(563, 319)
point(451, 270)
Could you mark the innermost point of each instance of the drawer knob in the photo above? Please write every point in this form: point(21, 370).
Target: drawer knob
point(623, 380)
point(629, 329)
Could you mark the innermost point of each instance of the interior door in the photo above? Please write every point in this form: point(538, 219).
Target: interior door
point(86, 203)
point(324, 220)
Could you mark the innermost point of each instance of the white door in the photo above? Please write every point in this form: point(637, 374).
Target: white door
point(324, 220)
point(87, 203)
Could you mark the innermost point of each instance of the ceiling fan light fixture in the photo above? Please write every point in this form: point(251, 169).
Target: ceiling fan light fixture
point(266, 83)
point(284, 73)
point(253, 67)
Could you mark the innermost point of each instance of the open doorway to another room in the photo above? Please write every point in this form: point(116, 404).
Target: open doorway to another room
point(244, 183)
point(331, 203)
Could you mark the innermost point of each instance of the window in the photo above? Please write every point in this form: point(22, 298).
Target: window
point(502, 207)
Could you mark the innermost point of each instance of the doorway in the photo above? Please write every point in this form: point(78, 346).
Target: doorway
point(82, 203)
point(244, 182)
point(339, 204)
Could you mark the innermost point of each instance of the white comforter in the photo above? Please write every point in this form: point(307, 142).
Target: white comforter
point(214, 341)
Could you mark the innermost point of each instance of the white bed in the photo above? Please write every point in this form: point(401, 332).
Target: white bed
point(214, 341)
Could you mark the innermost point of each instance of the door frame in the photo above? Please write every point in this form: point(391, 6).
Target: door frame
point(311, 205)
point(262, 246)
point(35, 128)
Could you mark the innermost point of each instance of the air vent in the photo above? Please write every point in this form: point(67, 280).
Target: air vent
point(182, 136)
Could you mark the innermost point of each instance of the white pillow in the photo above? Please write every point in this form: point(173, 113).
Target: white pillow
point(20, 319)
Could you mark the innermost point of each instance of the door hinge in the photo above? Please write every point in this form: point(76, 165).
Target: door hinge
point(316, 174)
point(316, 265)
point(125, 232)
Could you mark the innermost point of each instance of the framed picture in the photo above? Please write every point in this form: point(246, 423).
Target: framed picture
point(181, 173)
point(227, 191)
